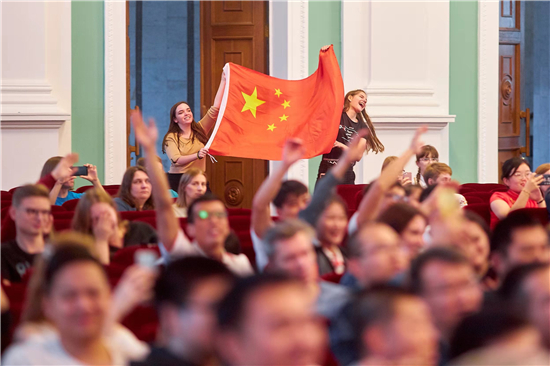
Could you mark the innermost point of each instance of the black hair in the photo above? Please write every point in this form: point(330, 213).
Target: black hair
point(511, 165)
point(181, 276)
point(504, 230)
point(426, 192)
point(64, 256)
point(207, 197)
point(511, 289)
point(399, 215)
point(445, 255)
point(289, 187)
point(482, 329)
point(231, 311)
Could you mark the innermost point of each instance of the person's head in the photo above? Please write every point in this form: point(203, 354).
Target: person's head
point(135, 188)
point(293, 197)
point(31, 209)
point(437, 173)
point(207, 222)
point(515, 173)
point(447, 281)
point(356, 100)
point(181, 118)
point(388, 161)
point(427, 155)
point(290, 250)
point(413, 193)
point(375, 255)
point(332, 224)
point(192, 185)
point(395, 194)
point(50, 165)
point(186, 295)
point(527, 289)
point(142, 161)
point(543, 169)
point(409, 223)
point(393, 325)
point(270, 320)
point(76, 294)
point(90, 208)
point(497, 328)
point(518, 239)
point(476, 246)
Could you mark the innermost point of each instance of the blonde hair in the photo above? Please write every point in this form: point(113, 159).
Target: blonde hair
point(425, 152)
point(373, 143)
point(185, 179)
point(388, 161)
point(543, 168)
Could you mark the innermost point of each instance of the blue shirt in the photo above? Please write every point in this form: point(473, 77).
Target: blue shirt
point(70, 196)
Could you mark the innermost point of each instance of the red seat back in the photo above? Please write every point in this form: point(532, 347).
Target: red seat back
point(70, 205)
point(83, 189)
point(5, 196)
point(13, 190)
point(62, 224)
point(125, 257)
point(58, 209)
point(540, 214)
point(239, 212)
point(348, 193)
point(482, 209)
point(474, 199)
point(4, 212)
point(484, 195)
point(482, 187)
point(5, 203)
point(132, 215)
point(63, 215)
point(332, 277)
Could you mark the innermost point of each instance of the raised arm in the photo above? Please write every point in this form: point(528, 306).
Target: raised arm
point(92, 177)
point(210, 119)
point(369, 206)
point(167, 222)
point(261, 217)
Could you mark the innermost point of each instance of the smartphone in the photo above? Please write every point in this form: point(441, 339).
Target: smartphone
point(407, 175)
point(546, 180)
point(146, 258)
point(80, 170)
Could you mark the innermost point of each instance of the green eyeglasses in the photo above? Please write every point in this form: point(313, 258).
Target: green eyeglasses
point(205, 214)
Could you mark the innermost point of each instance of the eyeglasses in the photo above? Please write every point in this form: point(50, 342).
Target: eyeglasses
point(427, 160)
point(203, 215)
point(520, 175)
point(35, 212)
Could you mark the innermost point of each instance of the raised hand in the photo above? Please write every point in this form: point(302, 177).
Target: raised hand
point(293, 151)
point(532, 186)
point(134, 288)
point(146, 135)
point(64, 168)
point(92, 173)
point(104, 227)
point(416, 142)
point(324, 48)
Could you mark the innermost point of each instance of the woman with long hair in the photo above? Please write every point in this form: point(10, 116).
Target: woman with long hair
point(184, 142)
point(134, 193)
point(427, 155)
point(354, 118)
point(192, 185)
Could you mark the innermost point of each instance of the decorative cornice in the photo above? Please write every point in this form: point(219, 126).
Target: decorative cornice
point(411, 122)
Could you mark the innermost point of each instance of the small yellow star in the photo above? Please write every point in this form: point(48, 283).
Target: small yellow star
point(286, 104)
point(251, 102)
point(283, 117)
point(271, 127)
point(278, 92)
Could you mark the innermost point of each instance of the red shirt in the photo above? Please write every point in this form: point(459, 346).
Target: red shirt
point(510, 197)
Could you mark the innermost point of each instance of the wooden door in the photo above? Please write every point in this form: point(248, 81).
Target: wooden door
point(510, 114)
point(232, 31)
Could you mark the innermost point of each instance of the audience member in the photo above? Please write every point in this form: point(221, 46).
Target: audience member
point(424, 157)
point(527, 289)
point(542, 170)
point(192, 185)
point(134, 193)
point(447, 282)
point(31, 211)
point(331, 230)
point(476, 242)
point(269, 320)
point(523, 190)
point(141, 163)
point(413, 193)
point(393, 327)
point(186, 295)
point(441, 173)
point(518, 239)
point(62, 191)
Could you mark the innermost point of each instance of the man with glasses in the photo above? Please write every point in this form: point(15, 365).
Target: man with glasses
point(31, 212)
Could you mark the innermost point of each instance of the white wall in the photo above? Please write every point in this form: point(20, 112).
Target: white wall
point(398, 52)
point(36, 87)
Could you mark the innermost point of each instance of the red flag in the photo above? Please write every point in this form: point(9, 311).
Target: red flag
point(259, 112)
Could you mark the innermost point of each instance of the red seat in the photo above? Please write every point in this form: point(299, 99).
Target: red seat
point(58, 208)
point(332, 277)
point(70, 205)
point(5, 196)
point(5, 203)
point(4, 212)
point(125, 256)
point(132, 215)
point(483, 187)
point(239, 212)
point(83, 189)
point(474, 199)
point(540, 214)
point(112, 191)
point(63, 215)
point(62, 224)
point(484, 195)
point(143, 322)
point(151, 220)
point(348, 193)
point(13, 190)
point(482, 209)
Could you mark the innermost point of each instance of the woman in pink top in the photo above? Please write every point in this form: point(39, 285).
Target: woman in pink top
point(523, 190)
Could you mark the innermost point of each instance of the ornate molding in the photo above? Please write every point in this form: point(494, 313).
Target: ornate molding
point(412, 122)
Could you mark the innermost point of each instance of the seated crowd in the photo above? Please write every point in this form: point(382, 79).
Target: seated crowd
point(413, 276)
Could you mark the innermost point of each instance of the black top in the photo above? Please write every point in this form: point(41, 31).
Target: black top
point(161, 356)
point(15, 262)
point(346, 131)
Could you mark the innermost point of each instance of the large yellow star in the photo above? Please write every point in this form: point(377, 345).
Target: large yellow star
point(271, 127)
point(286, 104)
point(283, 117)
point(278, 92)
point(251, 102)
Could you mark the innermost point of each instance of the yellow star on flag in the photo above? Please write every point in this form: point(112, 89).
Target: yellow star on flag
point(278, 92)
point(251, 102)
point(271, 127)
point(283, 117)
point(286, 104)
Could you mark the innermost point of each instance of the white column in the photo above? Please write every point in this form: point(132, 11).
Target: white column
point(115, 91)
point(398, 52)
point(488, 25)
point(36, 87)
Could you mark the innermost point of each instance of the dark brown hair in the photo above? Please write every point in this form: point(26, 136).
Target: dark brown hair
point(50, 165)
point(29, 190)
point(373, 143)
point(125, 190)
point(196, 130)
point(399, 215)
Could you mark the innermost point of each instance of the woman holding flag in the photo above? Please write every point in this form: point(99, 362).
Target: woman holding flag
point(354, 118)
point(184, 142)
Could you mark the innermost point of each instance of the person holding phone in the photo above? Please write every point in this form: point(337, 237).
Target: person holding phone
point(63, 189)
point(523, 190)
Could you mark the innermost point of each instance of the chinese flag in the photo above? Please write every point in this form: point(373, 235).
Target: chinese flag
point(259, 112)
